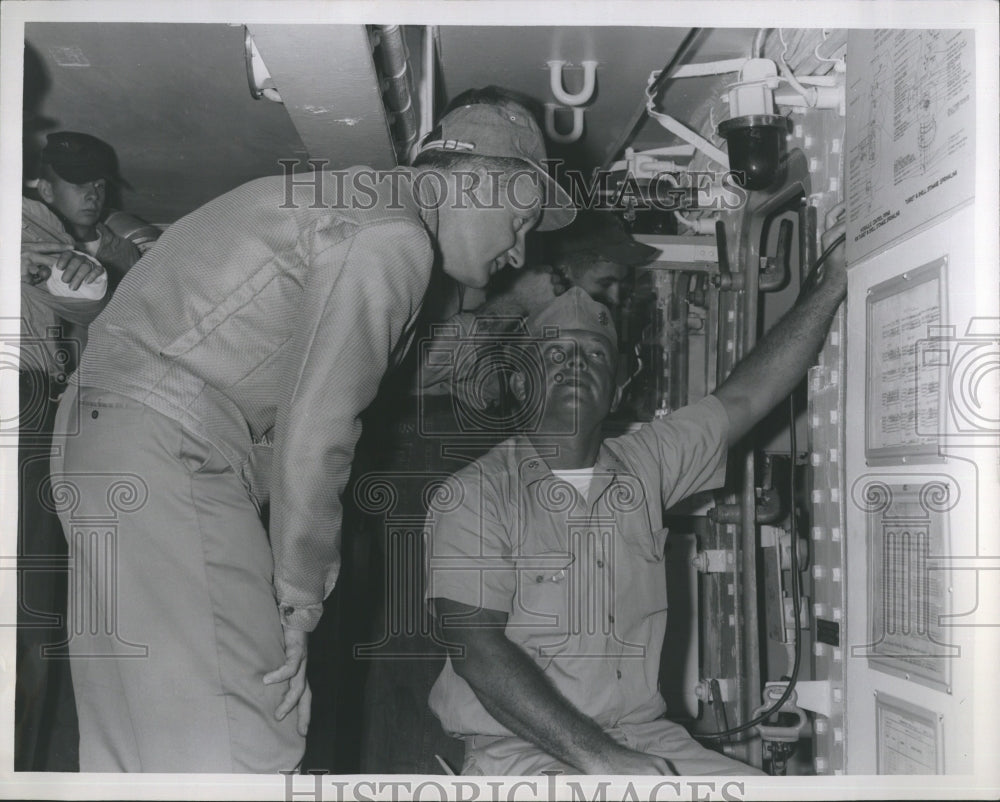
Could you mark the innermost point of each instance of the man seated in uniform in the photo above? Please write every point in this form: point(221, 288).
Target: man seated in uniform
point(545, 556)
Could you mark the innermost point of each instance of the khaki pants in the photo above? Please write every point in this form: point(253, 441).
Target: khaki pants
point(172, 616)
point(510, 756)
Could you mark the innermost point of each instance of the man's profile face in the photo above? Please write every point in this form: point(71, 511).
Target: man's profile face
point(601, 280)
point(485, 231)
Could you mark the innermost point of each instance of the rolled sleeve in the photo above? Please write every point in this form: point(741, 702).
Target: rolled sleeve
point(687, 448)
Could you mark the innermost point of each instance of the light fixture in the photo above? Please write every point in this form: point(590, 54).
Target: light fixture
point(755, 135)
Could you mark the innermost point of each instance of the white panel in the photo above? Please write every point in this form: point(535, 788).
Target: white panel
point(911, 128)
point(963, 706)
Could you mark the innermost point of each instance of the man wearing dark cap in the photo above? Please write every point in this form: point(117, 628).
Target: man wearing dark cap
point(74, 172)
point(67, 256)
point(230, 370)
point(545, 556)
point(595, 253)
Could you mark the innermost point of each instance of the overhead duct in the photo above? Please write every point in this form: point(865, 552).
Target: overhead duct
point(341, 122)
point(397, 92)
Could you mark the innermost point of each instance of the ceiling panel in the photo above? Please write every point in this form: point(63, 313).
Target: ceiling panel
point(172, 99)
point(515, 57)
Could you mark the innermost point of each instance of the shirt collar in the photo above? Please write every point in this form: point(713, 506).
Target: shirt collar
point(531, 467)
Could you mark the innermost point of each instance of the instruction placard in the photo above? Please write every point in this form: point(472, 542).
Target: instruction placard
point(910, 132)
point(901, 399)
point(908, 738)
point(907, 534)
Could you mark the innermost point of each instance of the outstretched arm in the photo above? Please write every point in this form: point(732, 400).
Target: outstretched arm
point(778, 362)
point(516, 692)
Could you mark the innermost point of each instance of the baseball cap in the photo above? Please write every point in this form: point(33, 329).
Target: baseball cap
point(486, 129)
point(573, 310)
point(80, 158)
point(602, 235)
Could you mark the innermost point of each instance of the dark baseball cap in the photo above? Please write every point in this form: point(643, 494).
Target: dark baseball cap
point(505, 131)
point(600, 235)
point(80, 158)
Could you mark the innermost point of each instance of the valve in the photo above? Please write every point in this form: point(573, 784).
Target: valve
point(714, 561)
point(781, 731)
point(725, 279)
point(776, 270)
point(698, 291)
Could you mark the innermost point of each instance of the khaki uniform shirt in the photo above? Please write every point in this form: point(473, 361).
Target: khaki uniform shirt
point(582, 581)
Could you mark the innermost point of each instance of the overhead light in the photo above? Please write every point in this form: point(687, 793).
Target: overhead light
point(755, 135)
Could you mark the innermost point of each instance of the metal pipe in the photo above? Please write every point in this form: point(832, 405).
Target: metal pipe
point(724, 307)
point(757, 48)
point(550, 124)
point(807, 239)
point(768, 510)
point(778, 270)
point(679, 341)
point(749, 618)
point(639, 116)
point(710, 68)
point(755, 219)
point(427, 81)
point(558, 89)
point(398, 91)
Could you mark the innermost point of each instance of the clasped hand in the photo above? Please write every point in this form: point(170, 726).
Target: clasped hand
point(39, 259)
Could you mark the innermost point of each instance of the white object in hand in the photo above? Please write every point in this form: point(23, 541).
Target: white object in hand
point(92, 291)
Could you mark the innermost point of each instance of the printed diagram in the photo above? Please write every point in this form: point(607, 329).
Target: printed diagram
point(921, 98)
point(864, 159)
point(906, 96)
point(910, 131)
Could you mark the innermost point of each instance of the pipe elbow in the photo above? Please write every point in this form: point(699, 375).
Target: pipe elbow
point(550, 125)
point(558, 89)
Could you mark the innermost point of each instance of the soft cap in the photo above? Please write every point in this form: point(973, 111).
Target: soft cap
point(484, 129)
point(573, 310)
point(600, 235)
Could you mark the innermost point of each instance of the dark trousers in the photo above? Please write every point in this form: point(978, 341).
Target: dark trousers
point(45, 726)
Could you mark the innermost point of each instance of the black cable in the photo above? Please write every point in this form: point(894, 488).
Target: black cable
point(796, 602)
point(812, 277)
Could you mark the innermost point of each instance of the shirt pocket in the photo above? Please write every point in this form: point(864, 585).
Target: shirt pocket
point(642, 570)
point(542, 616)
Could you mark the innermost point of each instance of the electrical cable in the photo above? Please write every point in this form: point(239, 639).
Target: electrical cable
point(794, 556)
point(796, 611)
point(810, 96)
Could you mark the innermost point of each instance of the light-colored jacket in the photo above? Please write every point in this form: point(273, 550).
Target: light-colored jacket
point(264, 322)
point(53, 324)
